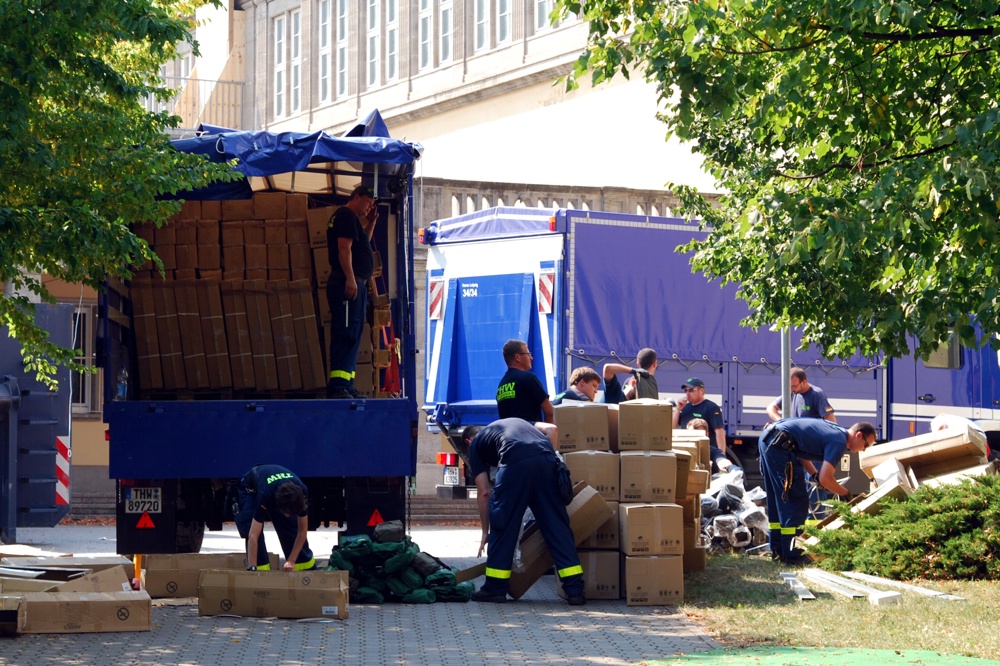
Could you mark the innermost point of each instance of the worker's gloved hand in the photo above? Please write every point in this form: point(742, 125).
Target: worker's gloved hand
point(639, 372)
point(482, 544)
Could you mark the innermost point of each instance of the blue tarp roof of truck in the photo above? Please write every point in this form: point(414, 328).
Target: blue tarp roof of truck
point(490, 224)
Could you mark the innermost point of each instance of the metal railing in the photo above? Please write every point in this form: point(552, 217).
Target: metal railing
point(200, 101)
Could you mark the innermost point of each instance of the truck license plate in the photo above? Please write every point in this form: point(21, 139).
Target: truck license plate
point(143, 500)
point(451, 476)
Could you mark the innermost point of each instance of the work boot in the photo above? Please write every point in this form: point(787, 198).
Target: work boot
point(356, 394)
point(482, 594)
point(339, 394)
point(576, 600)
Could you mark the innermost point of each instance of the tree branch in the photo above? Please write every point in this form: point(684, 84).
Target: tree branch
point(878, 163)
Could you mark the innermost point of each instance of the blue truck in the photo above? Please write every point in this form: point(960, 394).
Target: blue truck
point(585, 288)
point(173, 453)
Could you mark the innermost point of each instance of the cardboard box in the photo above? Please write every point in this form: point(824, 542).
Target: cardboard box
point(601, 574)
point(168, 256)
point(307, 342)
point(295, 594)
point(164, 236)
point(275, 232)
point(254, 257)
point(607, 535)
point(697, 443)
point(691, 506)
point(653, 581)
point(265, 369)
point(321, 260)
point(192, 343)
point(651, 529)
point(648, 476)
point(267, 205)
point(296, 206)
point(988, 469)
point(237, 209)
point(13, 586)
point(955, 447)
point(698, 480)
point(286, 355)
point(232, 234)
point(177, 575)
point(297, 232)
point(587, 512)
point(683, 470)
point(695, 559)
point(888, 470)
point(613, 428)
point(76, 613)
point(582, 427)
point(106, 580)
point(190, 210)
point(277, 257)
point(209, 232)
point(96, 563)
point(253, 232)
point(300, 257)
point(211, 210)
point(644, 425)
point(213, 333)
point(210, 257)
point(168, 335)
point(318, 220)
point(186, 256)
point(600, 469)
point(237, 334)
point(185, 232)
point(147, 344)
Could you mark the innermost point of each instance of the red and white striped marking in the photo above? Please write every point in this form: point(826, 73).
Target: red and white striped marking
point(545, 282)
point(63, 454)
point(435, 299)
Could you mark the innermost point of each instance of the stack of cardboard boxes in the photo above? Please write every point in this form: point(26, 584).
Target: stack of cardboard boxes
point(237, 310)
point(625, 452)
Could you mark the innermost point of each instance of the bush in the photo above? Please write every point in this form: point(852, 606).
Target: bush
point(946, 533)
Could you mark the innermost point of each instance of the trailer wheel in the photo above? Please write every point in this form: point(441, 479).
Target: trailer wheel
point(190, 535)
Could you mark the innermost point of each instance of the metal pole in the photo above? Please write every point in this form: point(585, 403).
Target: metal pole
point(786, 370)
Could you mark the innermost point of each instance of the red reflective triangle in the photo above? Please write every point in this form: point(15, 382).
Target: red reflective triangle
point(145, 523)
point(376, 519)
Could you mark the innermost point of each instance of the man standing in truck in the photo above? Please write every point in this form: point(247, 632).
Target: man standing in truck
point(352, 262)
point(527, 476)
point(271, 492)
point(644, 377)
point(520, 393)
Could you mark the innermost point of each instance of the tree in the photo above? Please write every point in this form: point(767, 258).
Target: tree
point(856, 145)
point(80, 157)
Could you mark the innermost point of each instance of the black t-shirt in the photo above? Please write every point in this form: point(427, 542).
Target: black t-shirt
point(345, 224)
point(266, 479)
point(706, 409)
point(505, 442)
point(520, 395)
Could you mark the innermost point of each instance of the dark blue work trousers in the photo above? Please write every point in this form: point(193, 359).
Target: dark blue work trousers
point(530, 483)
point(786, 509)
point(347, 324)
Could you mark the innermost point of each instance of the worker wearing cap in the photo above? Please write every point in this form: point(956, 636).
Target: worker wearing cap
point(526, 478)
point(784, 447)
point(352, 263)
point(271, 492)
point(694, 405)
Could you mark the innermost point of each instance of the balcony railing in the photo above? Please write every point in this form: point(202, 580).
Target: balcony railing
point(200, 101)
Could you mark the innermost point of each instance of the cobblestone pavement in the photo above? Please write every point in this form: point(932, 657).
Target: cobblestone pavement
point(539, 628)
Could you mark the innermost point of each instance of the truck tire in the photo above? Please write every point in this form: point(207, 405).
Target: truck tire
point(190, 535)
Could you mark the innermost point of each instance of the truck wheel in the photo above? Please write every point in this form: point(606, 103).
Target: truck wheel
point(190, 535)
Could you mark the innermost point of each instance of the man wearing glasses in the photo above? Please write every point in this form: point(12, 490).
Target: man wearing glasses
point(694, 406)
point(785, 448)
point(521, 394)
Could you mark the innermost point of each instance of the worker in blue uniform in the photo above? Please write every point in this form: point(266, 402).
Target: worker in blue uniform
point(271, 492)
point(784, 447)
point(526, 477)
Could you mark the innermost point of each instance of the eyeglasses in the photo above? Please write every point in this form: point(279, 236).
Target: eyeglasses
point(691, 390)
point(868, 444)
point(526, 353)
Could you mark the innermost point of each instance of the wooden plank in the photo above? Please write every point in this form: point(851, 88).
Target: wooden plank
point(811, 574)
point(875, 597)
point(798, 588)
point(119, 318)
point(888, 582)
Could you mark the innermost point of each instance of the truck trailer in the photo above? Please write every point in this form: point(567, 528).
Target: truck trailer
point(224, 352)
point(585, 288)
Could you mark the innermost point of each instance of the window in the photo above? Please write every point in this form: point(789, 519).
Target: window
point(296, 62)
point(425, 19)
point(324, 41)
point(279, 67)
point(947, 356)
point(391, 39)
point(373, 35)
point(84, 385)
point(482, 18)
point(341, 48)
point(446, 34)
point(185, 66)
point(542, 10)
point(503, 21)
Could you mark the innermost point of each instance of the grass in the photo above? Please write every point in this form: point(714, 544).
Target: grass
point(742, 602)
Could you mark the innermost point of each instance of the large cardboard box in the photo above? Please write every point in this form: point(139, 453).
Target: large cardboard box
point(265, 369)
point(295, 594)
point(648, 476)
point(148, 346)
point(106, 580)
point(95, 563)
point(237, 209)
point(237, 334)
point(695, 559)
point(988, 469)
point(76, 613)
point(17, 585)
point(651, 529)
point(318, 219)
point(296, 206)
point(601, 574)
point(698, 480)
point(607, 535)
point(192, 342)
point(683, 469)
point(600, 469)
point(653, 581)
point(286, 355)
point(168, 335)
point(582, 427)
point(930, 454)
point(267, 205)
point(232, 235)
point(307, 340)
point(587, 512)
point(177, 575)
point(644, 425)
point(213, 333)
